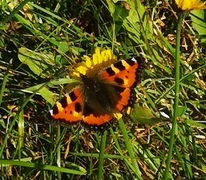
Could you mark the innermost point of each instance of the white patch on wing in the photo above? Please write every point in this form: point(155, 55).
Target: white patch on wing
point(133, 59)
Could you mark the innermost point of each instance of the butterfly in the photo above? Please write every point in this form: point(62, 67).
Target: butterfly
point(101, 97)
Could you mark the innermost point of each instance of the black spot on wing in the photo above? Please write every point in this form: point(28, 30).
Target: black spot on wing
point(63, 102)
point(78, 107)
point(73, 96)
point(119, 81)
point(55, 109)
point(119, 66)
point(110, 71)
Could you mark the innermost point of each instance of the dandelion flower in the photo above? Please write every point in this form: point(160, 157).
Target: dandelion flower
point(189, 5)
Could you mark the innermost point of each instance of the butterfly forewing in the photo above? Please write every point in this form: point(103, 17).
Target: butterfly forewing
point(125, 73)
point(69, 108)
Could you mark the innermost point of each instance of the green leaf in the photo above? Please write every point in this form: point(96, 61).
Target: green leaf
point(119, 15)
point(111, 6)
point(143, 115)
point(37, 62)
point(199, 23)
point(181, 110)
point(63, 47)
point(44, 92)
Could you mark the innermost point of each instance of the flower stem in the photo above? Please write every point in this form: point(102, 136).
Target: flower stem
point(176, 100)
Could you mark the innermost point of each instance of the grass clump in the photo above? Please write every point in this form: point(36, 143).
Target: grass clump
point(40, 41)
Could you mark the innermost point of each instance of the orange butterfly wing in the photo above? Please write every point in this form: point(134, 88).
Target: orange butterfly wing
point(117, 83)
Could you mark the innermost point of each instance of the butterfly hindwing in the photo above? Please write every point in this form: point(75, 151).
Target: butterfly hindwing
point(97, 122)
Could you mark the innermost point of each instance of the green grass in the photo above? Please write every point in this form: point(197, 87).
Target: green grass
point(39, 42)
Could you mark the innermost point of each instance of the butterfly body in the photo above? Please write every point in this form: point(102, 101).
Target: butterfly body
point(101, 97)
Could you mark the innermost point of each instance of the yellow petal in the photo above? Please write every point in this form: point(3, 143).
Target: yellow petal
point(91, 66)
point(88, 62)
point(188, 5)
point(117, 115)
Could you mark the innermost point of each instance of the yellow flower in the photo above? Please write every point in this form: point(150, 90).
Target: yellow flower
point(188, 5)
point(92, 65)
